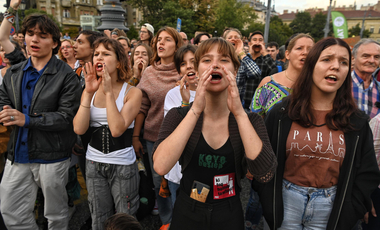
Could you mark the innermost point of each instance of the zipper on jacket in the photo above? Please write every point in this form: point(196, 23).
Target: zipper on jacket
point(345, 188)
point(14, 133)
point(275, 176)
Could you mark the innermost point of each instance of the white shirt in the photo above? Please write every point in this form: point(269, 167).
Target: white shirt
point(174, 99)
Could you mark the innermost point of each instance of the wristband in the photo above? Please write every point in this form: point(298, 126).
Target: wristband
point(9, 17)
point(183, 104)
point(11, 10)
point(241, 53)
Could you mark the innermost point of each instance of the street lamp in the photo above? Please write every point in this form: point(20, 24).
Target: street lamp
point(22, 8)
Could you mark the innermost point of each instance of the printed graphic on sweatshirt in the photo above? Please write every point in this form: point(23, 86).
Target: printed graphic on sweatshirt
point(211, 161)
point(317, 145)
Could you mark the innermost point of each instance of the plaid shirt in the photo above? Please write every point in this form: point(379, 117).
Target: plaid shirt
point(248, 70)
point(268, 67)
point(365, 98)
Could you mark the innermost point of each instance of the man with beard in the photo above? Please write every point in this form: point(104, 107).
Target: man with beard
point(365, 88)
point(266, 64)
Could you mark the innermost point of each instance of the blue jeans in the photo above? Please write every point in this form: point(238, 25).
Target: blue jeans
point(165, 207)
point(306, 207)
point(253, 211)
point(173, 187)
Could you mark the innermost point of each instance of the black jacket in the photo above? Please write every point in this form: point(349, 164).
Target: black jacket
point(358, 177)
point(54, 104)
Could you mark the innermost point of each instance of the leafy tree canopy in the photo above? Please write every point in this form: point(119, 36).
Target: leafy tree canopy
point(355, 31)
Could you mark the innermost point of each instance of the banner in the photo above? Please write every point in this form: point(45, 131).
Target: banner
point(340, 25)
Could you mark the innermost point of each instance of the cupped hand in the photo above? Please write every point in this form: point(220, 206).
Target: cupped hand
point(184, 90)
point(199, 103)
point(233, 100)
point(107, 83)
point(92, 82)
point(15, 4)
point(239, 45)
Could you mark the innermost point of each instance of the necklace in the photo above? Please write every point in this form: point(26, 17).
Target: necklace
point(286, 75)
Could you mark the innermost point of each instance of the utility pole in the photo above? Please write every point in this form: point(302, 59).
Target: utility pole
point(267, 22)
point(362, 29)
point(327, 27)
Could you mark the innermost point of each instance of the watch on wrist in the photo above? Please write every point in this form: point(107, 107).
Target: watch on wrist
point(241, 53)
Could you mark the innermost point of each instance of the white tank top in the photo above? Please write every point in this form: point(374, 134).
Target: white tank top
point(98, 117)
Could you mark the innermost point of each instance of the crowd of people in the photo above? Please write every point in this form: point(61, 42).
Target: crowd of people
point(170, 126)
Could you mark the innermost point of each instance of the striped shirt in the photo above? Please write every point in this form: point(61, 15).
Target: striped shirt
point(365, 98)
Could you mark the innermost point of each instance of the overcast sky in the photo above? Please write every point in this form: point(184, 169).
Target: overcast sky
point(292, 5)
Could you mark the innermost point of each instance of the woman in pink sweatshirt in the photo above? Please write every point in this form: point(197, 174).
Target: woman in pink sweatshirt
point(155, 82)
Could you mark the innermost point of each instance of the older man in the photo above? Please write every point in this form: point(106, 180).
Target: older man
point(184, 38)
point(365, 88)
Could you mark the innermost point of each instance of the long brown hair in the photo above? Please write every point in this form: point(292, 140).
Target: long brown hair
point(299, 108)
point(173, 33)
point(148, 50)
point(116, 47)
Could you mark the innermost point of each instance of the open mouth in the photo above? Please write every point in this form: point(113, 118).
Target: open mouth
point(191, 75)
point(99, 67)
point(331, 78)
point(161, 49)
point(35, 47)
point(216, 77)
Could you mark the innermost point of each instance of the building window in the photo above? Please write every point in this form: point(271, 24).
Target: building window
point(99, 2)
point(66, 13)
point(43, 8)
point(372, 29)
point(89, 1)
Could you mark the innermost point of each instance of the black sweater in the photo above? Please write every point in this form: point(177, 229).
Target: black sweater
point(358, 177)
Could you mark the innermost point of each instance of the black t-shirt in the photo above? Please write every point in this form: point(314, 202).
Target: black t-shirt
point(213, 167)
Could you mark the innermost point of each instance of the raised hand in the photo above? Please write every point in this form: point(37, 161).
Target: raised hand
point(92, 82)
point(239, 45)
point(233, 100)
point(15, 4)
point(184, 90)
point(199, 103)
point(107, 84)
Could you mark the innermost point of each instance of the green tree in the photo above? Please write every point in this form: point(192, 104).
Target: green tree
point(301, 23)
point(151, 9)
point(318, 24)
point(171, 11)
point(133, 33)
point(355, 31)
point(204, 14)
point(231, 13)
point(278, 31)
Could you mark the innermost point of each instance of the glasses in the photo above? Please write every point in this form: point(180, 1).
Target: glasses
point(67, 47)
point(143, 32)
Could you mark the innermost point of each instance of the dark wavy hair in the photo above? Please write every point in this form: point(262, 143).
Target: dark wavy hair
point(299, 108)
point(173, 33)
point(178, 57)
point(45, 24)
point(116, 47)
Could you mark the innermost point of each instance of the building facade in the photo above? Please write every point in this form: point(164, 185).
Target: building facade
point(353, 17)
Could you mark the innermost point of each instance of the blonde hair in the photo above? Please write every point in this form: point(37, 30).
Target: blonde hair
point(60, 55)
